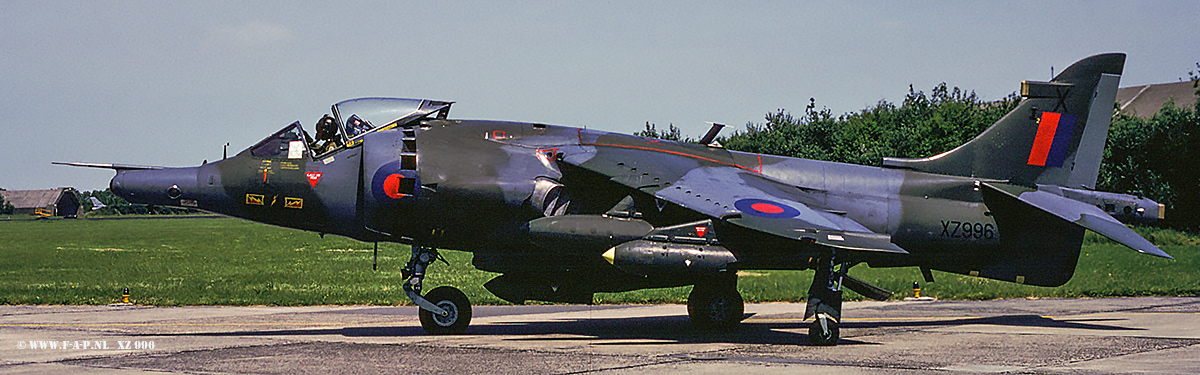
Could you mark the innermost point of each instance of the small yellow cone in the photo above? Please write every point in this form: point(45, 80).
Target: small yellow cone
point(610, 255)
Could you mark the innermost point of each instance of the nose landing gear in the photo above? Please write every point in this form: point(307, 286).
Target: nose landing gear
point(444, 310)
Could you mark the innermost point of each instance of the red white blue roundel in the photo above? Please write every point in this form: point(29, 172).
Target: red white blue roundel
point(766, 208)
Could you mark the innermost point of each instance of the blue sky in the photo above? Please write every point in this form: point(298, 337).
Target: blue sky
point(170, 82)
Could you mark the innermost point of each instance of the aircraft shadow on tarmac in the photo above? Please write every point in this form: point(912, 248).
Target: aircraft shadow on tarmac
point(1001, 320)
point(667, 330)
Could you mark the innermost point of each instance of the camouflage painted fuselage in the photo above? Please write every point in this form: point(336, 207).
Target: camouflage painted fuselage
point(475, 183)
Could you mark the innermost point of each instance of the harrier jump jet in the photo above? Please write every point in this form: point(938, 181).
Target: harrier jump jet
point(562, 213)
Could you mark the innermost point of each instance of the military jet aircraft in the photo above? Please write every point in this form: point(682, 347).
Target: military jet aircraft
point(562, 213)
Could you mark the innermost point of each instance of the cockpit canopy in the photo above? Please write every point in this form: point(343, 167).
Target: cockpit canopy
point(354, 118)
point(372, 113)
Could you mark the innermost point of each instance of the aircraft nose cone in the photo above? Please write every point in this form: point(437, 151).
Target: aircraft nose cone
point(157, 186)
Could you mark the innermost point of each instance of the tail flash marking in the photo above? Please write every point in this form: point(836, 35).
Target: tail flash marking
point(1052, 140)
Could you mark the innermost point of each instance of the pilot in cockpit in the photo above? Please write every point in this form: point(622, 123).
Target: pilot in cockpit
point(327, 135)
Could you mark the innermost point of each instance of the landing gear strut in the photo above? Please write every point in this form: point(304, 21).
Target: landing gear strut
point(444, 310)
point(825, 302)
point(716, 304)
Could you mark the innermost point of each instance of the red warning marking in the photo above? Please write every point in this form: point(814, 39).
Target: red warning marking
point(766, 208)
point(313, 178)
point(700, 231)
point(391, 186)
point(498, 134)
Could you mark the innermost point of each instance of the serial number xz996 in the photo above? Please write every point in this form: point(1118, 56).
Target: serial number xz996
point(968, 230)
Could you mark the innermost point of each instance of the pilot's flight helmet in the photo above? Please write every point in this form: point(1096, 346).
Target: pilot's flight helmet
point(326, 128)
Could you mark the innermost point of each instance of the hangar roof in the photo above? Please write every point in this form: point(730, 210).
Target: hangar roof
point(33, 198)
point(1146, 100)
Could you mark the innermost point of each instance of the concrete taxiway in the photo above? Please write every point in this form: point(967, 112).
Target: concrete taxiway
point(1120, 335)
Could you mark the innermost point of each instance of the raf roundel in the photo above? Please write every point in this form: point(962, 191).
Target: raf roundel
point(766, 208)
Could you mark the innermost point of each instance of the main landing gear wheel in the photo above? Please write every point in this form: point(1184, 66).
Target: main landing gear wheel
point(713, 307)
point(823, 331)
point(458, 310)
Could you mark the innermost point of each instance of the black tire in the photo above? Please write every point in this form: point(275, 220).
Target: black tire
point(820, 336)
point(712, 307)
point(452, 300)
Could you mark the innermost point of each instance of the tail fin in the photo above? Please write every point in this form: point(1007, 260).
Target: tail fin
point(96, 204)
point(1055, 136)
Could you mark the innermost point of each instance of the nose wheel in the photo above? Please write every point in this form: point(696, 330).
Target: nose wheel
point(456, 306)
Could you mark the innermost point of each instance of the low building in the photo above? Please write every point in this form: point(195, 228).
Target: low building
point(1145, 101)
point(51, 202)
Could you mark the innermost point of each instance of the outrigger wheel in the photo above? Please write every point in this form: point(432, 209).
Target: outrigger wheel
point(715, 306)
point(457, 307)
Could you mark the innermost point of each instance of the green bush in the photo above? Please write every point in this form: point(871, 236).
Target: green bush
point(5, 207)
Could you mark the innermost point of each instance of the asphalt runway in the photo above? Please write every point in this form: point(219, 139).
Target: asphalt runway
point(1121, 335)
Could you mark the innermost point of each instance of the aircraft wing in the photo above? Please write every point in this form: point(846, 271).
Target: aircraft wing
point(752, 201)
point(734, 194)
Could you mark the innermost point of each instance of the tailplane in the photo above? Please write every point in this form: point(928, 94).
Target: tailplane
point(1055, 136)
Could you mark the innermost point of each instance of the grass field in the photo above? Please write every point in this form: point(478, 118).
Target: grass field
point(221, 261)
